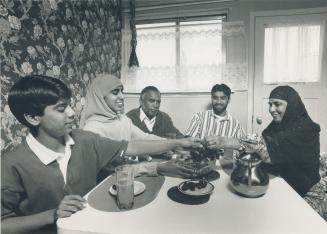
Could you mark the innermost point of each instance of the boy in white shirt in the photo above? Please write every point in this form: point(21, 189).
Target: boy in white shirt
point(45, 177)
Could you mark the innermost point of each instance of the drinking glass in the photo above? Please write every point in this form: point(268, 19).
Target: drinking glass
point(125, 186)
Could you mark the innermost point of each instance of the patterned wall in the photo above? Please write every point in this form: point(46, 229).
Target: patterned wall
point(68, 39)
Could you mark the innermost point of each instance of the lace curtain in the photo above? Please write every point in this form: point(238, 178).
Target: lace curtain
point(293, 53)
point(208, 54)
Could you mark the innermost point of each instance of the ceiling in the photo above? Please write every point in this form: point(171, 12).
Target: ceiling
point(150, 3)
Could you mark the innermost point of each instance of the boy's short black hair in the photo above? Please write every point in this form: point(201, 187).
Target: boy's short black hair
point(223, 88)
point(149, 88)
point(30, 95)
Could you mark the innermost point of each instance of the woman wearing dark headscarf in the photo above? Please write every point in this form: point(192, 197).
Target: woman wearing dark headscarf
point(292, 140)
point(291, 147)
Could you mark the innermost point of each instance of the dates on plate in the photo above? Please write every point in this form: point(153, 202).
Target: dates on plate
point(193, 185)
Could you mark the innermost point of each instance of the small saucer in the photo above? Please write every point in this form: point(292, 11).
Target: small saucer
point(139, 188)
point(175, 195)
point(194, 188)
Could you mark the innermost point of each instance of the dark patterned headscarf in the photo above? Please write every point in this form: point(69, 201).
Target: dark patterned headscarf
point(295, 108)
point(293, 144)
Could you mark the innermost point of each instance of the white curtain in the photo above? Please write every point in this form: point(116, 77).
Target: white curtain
point(235, 63)
point(293, 53)
point(208, 54)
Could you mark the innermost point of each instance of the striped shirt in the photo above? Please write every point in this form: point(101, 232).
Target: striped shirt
point(207, 123)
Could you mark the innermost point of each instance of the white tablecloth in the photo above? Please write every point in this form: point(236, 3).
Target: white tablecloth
point(280, 210)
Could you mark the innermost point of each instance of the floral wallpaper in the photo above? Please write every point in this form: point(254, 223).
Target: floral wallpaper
point(68, 39)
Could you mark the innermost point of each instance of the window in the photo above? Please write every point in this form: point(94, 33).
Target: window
point(185, 55)
point(292, 53)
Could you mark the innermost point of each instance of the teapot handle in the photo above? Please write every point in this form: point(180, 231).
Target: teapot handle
point(250, 173)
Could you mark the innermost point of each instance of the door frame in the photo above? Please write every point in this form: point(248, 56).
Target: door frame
point(251, 56)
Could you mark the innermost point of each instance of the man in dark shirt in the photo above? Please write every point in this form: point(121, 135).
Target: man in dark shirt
point(150, 119)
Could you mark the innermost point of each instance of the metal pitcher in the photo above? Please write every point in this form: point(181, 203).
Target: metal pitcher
point(248, 177)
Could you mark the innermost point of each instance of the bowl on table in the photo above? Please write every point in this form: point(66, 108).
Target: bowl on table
point(201, 161)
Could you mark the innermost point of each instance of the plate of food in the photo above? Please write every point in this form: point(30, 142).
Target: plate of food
point(139, 188)
point(196, 187)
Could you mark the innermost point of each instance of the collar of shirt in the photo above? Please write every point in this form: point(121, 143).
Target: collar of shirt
point(144, 117)
point(45, 154)
point(221, 118)
point(148, 122)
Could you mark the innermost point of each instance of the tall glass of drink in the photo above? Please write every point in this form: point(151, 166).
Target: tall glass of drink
point(125, 186)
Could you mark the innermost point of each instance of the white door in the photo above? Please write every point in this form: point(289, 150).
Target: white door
point(314, 94)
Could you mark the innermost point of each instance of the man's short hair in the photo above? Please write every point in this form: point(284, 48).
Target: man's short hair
point(149, 88)
point(30, 95)
point(223, 88)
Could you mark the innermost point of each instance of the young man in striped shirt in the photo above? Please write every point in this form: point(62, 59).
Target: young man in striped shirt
point(217, 121)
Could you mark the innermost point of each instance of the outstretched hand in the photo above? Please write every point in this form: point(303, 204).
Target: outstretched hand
point(69, 205)
point(250, 147)
point(213, 142)
point(190, 142)
point(174, 169)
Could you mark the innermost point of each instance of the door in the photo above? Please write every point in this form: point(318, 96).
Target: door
point(313, 94)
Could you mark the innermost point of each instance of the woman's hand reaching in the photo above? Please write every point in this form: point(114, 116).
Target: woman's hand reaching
point(190, 142)
point(256, 146)
point(249, 147)
point(175, 169)
point(220, 142)
point(214, 142)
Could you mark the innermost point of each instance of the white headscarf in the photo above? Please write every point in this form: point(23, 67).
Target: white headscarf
point(96, 108)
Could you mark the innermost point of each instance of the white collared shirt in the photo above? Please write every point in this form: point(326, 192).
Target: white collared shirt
point(47, 155)
point(149, 123)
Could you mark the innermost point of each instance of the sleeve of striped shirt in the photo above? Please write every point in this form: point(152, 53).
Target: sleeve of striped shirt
point(194, 127)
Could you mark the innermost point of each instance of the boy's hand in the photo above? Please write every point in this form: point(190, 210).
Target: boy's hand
point(69, 205)
point(173, 168)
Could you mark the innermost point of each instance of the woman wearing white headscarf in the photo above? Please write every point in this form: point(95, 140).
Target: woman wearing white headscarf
point(103, 112)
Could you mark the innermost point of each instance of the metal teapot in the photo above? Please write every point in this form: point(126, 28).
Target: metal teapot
point(248, 177)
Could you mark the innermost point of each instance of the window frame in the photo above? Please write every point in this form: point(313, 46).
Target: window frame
point(178, 20)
